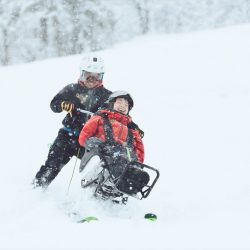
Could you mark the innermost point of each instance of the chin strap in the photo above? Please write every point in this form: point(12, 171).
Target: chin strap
point(83, 84)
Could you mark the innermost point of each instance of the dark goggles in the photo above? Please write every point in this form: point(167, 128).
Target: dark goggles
point(92, 76)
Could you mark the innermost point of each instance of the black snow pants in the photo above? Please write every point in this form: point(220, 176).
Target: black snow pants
point(63, 148)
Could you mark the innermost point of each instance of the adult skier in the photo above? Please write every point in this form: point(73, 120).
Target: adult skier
point(88, 94)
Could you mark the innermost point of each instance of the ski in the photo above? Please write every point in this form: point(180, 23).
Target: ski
point(88, 219)
point(148, 216)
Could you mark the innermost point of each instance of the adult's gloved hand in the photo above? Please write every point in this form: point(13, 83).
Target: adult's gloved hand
point(134, 126)
point(67, 106)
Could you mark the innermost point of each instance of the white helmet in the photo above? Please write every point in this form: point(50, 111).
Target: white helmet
point(93, 64)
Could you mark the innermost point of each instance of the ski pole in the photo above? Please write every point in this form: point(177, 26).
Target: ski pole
point(73, 170)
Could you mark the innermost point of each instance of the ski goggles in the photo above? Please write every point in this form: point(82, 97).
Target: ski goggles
point(92, 76)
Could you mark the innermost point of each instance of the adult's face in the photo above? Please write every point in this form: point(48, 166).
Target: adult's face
point(91, 80)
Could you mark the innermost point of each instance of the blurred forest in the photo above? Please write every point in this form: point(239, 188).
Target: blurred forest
point(37, 29)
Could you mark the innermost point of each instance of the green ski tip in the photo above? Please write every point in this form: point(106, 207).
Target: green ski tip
point(88, 219)
point(150, 216)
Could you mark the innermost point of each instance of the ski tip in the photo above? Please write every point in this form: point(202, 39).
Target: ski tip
point(150, 216)
point(88, 219)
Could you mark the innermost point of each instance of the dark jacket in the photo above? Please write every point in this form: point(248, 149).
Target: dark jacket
point(83, 98)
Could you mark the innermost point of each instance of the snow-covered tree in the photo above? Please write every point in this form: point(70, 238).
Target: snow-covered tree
point(37, 29)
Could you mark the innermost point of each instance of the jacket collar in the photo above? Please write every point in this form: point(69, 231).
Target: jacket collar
point(112, 115)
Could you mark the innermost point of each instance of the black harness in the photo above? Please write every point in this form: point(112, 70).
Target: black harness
point(110, 135)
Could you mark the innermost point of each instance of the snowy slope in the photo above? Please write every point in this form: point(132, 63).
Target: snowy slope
point(192, 98)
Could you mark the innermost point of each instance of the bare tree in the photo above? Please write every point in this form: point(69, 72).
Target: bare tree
point(143, 14)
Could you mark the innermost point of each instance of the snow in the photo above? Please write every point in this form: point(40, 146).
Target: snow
point(192, 99)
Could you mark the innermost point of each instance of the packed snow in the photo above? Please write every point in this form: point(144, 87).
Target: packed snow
point(192, 99)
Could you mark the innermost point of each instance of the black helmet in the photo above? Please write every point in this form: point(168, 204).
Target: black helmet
point(123, 94)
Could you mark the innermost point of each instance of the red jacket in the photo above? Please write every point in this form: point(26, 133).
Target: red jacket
point(119, 122)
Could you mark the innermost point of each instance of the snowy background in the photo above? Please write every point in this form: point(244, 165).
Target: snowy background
point(32, 30)
point(192, 99)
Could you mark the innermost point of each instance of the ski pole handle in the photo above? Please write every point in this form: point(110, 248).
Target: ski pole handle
point(85, 111)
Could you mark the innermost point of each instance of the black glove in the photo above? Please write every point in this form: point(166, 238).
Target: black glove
point(141, 133)
point(134, 126)
point(67, 106)
point(93, 142)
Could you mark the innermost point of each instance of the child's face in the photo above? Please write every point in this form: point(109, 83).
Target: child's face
point(121, 105)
